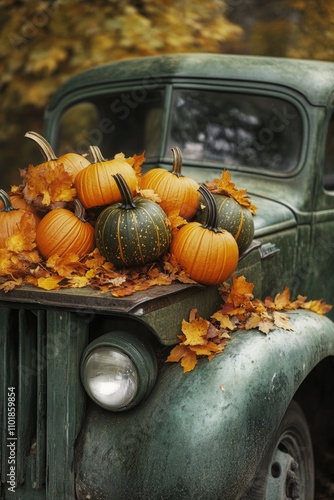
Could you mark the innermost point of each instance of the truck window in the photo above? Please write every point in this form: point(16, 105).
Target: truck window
point(128, 122)
point(236, 129)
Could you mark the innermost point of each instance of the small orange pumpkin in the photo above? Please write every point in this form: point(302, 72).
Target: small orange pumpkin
point(10, 217)
point(63, 232)
point(73, 162)
point(177, 192)
point(95, 185)
point(18, 201)
point(207, 253)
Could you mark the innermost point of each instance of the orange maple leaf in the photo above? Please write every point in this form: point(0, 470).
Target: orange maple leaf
point(23, 237)
point(184, 354)
point(175, 220)
point(45, 185)
point(240, 292)
point(135, 161)
point(66, 266)
point(225, 186)
point(281, 301)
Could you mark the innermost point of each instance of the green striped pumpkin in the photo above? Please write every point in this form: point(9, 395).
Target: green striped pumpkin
point(132, 232)
point(234, 218)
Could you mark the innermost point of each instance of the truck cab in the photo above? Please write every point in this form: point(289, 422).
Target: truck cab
point(247, 424)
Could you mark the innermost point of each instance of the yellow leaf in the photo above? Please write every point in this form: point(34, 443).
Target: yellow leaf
point(317, 306)
point(51, 283)
point(78, 281)
point(223, 320)
point(208, 349)
point(195, 331)
point(23, 237)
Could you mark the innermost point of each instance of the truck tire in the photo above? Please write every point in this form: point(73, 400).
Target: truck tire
point(287, 471)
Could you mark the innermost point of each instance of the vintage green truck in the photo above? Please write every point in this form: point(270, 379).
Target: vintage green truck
point(246, 425)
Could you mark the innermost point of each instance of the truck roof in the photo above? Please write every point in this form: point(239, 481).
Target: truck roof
point(314, 79)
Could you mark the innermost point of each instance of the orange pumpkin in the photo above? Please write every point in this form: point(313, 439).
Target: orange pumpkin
point(95, 185)
point(18, 201)
point(10, 217)
point(62, 232)
point(207, 253)
point(73, 162)
point(176, 191)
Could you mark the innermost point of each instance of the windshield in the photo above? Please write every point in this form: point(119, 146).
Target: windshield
point(236, 129)
point(227, 128)
point(128, 122)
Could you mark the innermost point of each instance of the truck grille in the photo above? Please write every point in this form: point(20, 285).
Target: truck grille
point(23, 366)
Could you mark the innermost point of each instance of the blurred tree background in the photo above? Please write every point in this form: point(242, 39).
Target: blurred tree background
point(43, 43)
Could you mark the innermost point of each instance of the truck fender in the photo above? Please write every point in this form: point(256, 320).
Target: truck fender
point(202, 434)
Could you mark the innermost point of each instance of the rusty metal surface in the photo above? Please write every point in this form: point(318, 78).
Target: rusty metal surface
point(88, 299)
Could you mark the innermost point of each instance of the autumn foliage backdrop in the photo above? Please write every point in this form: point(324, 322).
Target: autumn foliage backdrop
point(42, 43)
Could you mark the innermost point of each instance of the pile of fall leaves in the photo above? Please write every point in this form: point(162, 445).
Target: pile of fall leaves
point(240, 310)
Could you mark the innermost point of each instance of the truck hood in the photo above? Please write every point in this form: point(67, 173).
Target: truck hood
point(271, 216)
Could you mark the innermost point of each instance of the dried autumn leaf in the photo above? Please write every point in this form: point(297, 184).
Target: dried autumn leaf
point(78, 281)
point(253, 321)
point(23, 237)
point(9, 285)
point(265, 325)
point(44, 186)
point(225, 186)
point(7, 267)
point(184, 354)
point(282, 320)
point(149, 194)
point(195, 331)
point(282, 300)
point(138, 160)
point(134, 161)
point(223, 319)
point(66, 266)
point(208, 349)
point(241, 291)
point(50, 283)
point(175, 220)
point(317, 306)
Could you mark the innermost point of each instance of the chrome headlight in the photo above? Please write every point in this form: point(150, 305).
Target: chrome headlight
point(118, 370)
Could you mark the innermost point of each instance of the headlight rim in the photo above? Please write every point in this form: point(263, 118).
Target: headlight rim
point(139, 350)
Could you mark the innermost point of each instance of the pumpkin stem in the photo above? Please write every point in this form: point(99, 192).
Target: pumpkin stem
point(212, 215)
point(79, 210)
point(127, 198)
point(96, 154)
point(44, 147)
point(7, 204)
point(177, 162)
